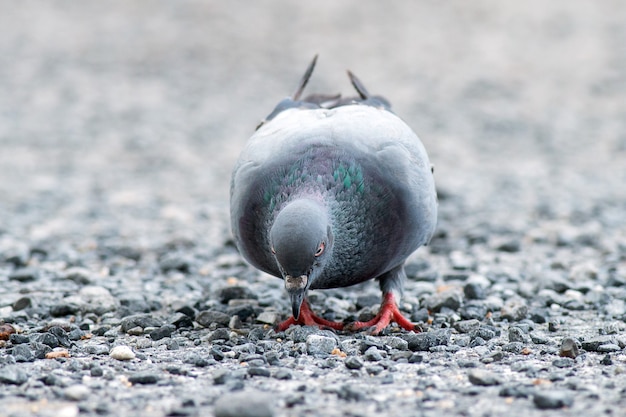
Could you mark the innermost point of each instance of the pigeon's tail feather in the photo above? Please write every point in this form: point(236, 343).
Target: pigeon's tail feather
point(305, 79)
point(358, 86)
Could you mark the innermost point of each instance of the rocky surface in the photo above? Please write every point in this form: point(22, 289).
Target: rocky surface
point(121, 292)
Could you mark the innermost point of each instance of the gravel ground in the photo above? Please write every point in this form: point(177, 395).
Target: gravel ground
point(120, 122)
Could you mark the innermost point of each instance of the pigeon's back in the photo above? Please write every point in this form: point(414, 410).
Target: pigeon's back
point(360, 161)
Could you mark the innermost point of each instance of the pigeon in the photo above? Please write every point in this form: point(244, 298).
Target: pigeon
point(330, 192)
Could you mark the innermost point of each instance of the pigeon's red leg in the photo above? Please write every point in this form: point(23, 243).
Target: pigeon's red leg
point(388, 312)
point(308, 318)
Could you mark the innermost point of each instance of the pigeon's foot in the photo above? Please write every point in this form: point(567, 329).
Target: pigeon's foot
point(308, 318)
point(388, 313)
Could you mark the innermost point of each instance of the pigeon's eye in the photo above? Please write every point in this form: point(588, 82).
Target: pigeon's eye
point(273, 250)
point(320, 249)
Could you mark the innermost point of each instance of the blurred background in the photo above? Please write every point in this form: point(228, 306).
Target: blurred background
point(125, 118)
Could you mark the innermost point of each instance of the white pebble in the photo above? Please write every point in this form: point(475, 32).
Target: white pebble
point(122, 353)
point(76, 392)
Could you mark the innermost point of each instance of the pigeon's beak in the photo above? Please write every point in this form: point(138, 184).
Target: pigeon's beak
point(296, 287)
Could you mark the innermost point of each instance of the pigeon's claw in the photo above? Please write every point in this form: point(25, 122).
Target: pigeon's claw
point(308, 318)
point(388, 313)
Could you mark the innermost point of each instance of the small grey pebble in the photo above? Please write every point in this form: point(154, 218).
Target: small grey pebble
point(548, 400)
point(373, 355)
point(24, 274)
point(513, 347)
point(483, 378)
point(283, 374)
point(425, 341)
point(162, 332)
point(416, 358)
point(144, 378)
point(259, 371)
point(554, 326)
point(538, 338)
point(267, 317)
point(219, 334)
point(374, 369)
point(563, 362)
point(22, 353)
point(353, 362)
point(272, 358)
point(606, 360)
point(516, 335)
point(466, 326)
point(244, 404)
point(21, 304)
point(96, 371)
point(569, 348)
point(318, 345)
point(13, 374)
point(208, 317)
point(18, 339)
point(608, 348)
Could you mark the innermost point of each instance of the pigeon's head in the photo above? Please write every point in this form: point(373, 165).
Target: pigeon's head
point(301, 242)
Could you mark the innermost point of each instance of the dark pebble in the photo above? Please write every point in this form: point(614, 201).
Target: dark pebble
point(219, 334)
point(139, 320)
point(466, 326)
point(606, 360)
point(482, 332)
point(235, 292)
point(61, 336)
point(208, 317)
point(425, 341)
point(473, 310)
point(24, 274)
point(22, 353)
point(181, 321)
point(21, 304)
point(474, 291)
point(259, 371)
point(63, 309)
point(18, 339)
point(353, 362)
point(539, 316)
point(554, 326)
point(569, 348)
point(76, 334)
point(483, 378)
point(144, 378)
point(162, 332)
point(187, 311)
point(549, 400)
point(47, 339)
point(511, 246)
